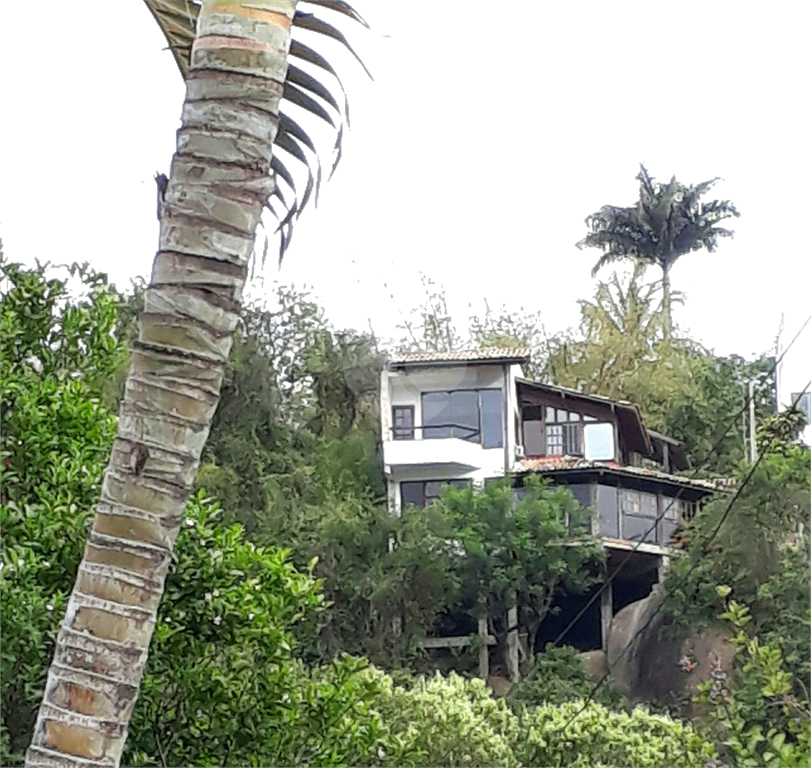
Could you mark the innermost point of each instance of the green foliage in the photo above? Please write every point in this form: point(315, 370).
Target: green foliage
point(777, 433)
point(756, 715)
point(449, 721)
point(758, 550)
point(559, 675)
point(55, 435)
point(221, 685)
point(682, 390)
point(667, 222)
point(520, 552)
point(569, 735)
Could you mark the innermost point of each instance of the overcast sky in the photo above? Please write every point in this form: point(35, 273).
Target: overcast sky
point(489, 133)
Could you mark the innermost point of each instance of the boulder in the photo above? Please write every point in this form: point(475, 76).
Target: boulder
point(648, 662)
point(500, 686)
point(596, 665)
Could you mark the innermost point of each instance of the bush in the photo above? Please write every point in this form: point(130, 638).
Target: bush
point(755, 714)
point(566, 736)
point(444, 721)
point(55, 435)
point(559, 675)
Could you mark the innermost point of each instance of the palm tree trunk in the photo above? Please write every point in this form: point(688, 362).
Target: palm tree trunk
point(667, 324)
point(219, 182)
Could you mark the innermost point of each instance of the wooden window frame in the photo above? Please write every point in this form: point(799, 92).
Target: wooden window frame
point(397, 431)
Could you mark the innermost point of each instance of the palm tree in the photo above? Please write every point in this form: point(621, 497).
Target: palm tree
point(667, 222)
point(233, 55)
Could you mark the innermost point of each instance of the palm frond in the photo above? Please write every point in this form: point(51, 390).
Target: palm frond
point(177, 20)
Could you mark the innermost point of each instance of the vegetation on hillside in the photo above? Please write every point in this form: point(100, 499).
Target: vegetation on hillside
point(276, 624)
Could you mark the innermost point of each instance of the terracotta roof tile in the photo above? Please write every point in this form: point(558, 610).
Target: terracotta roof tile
point(517, 354)
point(547, 463)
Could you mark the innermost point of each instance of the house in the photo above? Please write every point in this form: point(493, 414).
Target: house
point(468, 416)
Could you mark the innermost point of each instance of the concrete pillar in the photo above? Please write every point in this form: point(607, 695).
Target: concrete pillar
point(484, 651)
point(512, 645)
point(606, 612)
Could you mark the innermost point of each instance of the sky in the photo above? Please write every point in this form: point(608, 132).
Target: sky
point(489, 133)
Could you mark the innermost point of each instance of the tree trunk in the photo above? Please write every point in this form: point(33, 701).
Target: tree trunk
point(219, 181)
point(667, 324)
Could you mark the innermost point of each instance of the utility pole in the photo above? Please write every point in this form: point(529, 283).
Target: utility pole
point(752, 431)
point(777, 364)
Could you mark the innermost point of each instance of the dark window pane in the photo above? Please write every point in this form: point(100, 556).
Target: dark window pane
point(433, 489)
point(635, 528)
point(436, 409)
point(412, 493)
point(582, 492)
point(532, 413)
point(492, 418)
point(465, 415)
point(403, 423)
point(571, 439)
point(460, 484)
point(607, 507)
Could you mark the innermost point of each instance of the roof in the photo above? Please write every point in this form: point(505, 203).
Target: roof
point(555, 463)
point(628, 414)
point(489, 354)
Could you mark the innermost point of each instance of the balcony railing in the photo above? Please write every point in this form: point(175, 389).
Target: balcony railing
point(461, 431)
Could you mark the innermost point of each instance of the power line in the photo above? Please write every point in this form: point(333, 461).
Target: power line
point(610, 579)
point(709, 540)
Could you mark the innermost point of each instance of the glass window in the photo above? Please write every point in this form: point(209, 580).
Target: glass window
point(403, 419)
point(436, 410)
point(424, 492)
point(465, 415)
point(492, 418)
point(647, 504)
point(562, 416)
point(574, 416)
point(554, 439)
point(412, 493)
point(630, 502)
point(636, 528)
point(550, 414)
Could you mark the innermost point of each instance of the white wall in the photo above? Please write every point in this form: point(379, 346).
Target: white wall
point(405, 387)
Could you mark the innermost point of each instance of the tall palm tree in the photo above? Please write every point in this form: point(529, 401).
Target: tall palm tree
point(667, 222)
point(233, 55)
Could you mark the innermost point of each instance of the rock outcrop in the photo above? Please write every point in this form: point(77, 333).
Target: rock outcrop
point(648, 662)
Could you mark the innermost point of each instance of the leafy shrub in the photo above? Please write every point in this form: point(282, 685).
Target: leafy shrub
point(55, 435)
point(221, 686)
point(755, 714)
point(448, 721)
point(559, 675)
point(569, 735)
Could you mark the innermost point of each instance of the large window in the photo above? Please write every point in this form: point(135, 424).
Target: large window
point(474, 415)
point(422, 492)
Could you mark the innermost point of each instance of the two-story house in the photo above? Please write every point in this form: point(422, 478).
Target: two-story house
point(465, 417)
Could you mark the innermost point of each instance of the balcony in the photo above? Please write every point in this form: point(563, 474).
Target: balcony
point(409, 448)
